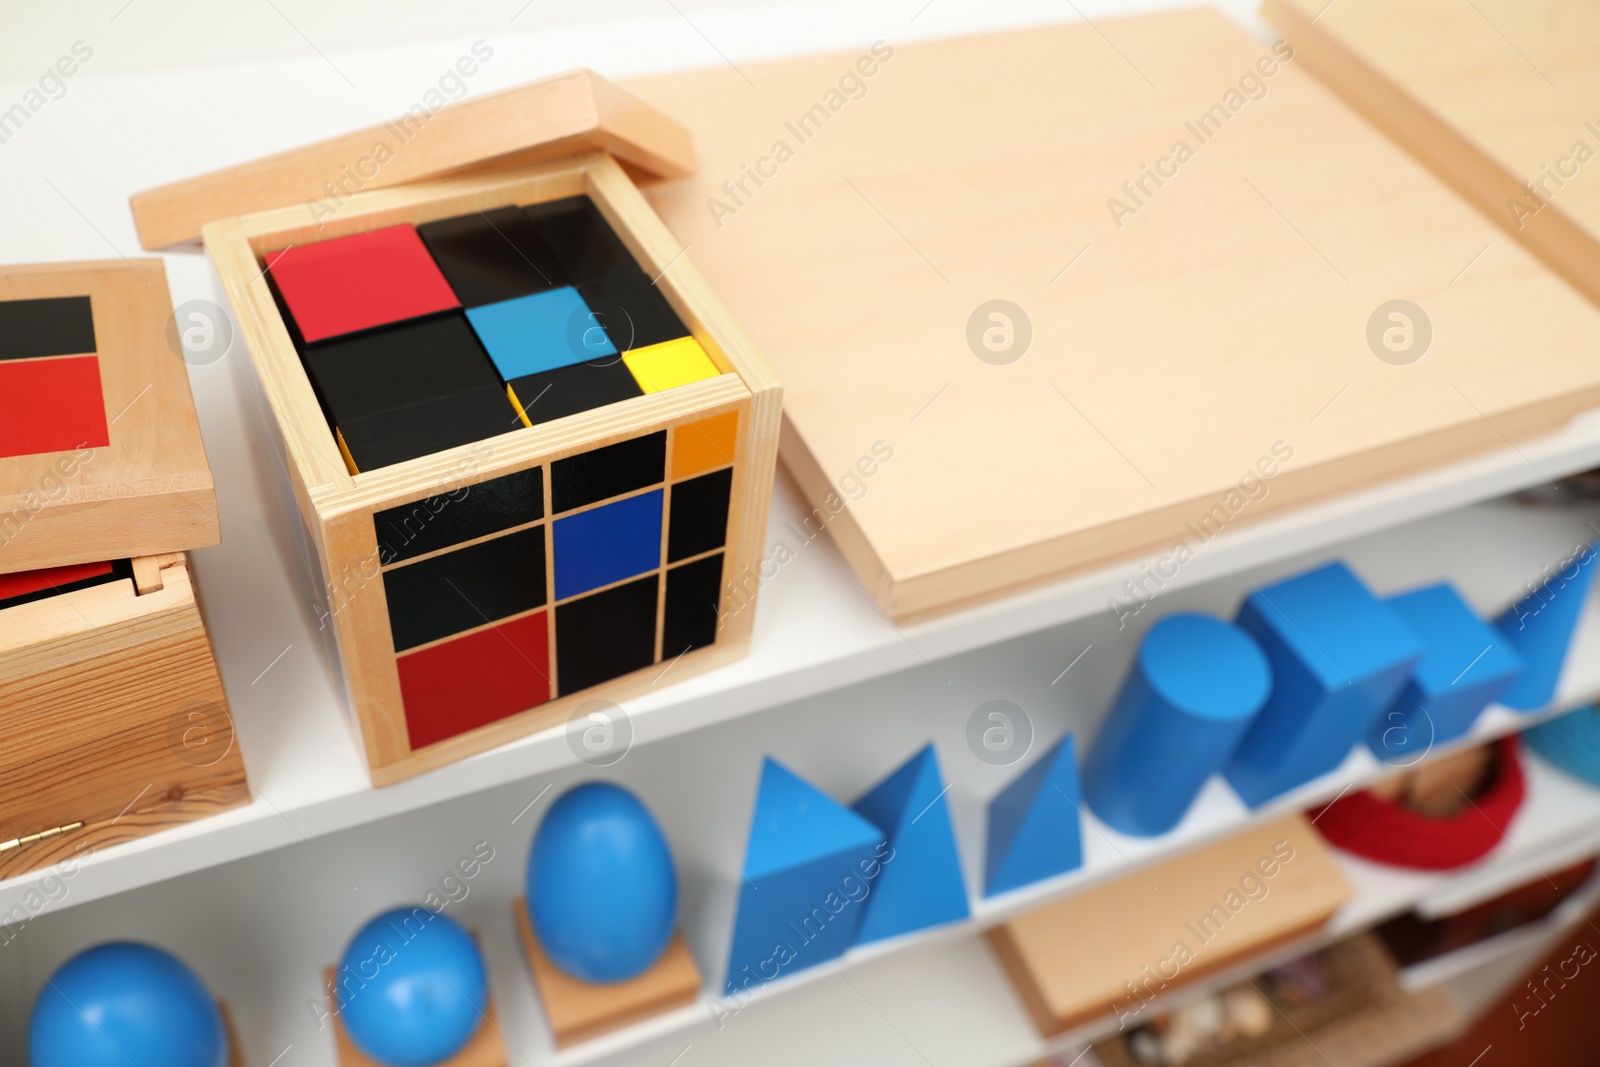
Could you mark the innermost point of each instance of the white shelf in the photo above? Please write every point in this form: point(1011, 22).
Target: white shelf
point(260, 899)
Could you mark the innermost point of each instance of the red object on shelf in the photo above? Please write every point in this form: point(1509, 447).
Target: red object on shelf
point(1390, 833)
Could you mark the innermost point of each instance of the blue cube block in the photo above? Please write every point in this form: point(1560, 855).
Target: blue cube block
point(810, 863)
point(1034, 823)
point(921, 884)
point(540, 332)
point(1465, 665)
point(1192, 692)
point(1339, 657)
point(1541, 626)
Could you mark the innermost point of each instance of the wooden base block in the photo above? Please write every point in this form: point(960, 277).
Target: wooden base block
point(1109, 950)
point(235, 1053)
point(486, 1049)
point(578, 1010)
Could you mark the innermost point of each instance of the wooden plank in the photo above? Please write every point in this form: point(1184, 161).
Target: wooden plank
point(149, 490)
point(1180, 331)
point(1107, 951)
point(564, 115)
point(1500, 98)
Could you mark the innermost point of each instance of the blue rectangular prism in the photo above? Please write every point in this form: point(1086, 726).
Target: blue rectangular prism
point(1466, 664)
point(1339, 657)
point(607, 544)
point(540, 332)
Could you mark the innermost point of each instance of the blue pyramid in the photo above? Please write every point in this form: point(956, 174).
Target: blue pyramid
point(1540, 627)
point(920, 883)
point(1034, 829)
point(809, 865)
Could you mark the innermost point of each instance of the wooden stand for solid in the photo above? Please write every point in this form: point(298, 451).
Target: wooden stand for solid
point(1190, 310)
point(485, 1049)
point(1495, 97)
point(337, 508)
point(235, 1053)
point(578, 1010)
point(116, 722)
point(1079, 959)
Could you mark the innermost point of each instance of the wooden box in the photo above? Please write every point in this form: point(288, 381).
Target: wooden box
point(113, 712)
point(483, 589)
point(1110, 951)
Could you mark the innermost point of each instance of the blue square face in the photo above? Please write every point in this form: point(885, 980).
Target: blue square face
point(1463, 651)
point(608, 543)
point(540, 332)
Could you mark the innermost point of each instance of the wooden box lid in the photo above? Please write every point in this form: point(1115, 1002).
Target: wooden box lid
point(100, 449)
point(1111, 948)
point(1206, 320)
point(559, 116)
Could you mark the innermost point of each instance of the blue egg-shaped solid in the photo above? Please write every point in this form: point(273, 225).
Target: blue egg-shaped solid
point(602, 892)
point(122, 1004)
point(412, 987)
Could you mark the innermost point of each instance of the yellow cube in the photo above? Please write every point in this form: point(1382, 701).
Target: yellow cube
point(671, 363)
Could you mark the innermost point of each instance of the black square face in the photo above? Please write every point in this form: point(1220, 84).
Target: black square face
point(699, 520)
point(568, 390)
point(429, 427)
point(580, 237)
point(469, 587)
point(494, 256)
point(605, 635)
point(397, 366)
point(53, 326)
point(466, 514)
point(693, 593)
point(633, 312)
point(607, 472)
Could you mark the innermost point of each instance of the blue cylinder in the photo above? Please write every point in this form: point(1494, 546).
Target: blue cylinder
point(1191, 693)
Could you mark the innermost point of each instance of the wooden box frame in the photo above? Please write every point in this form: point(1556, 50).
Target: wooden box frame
point(116, 722)
point(337, 507)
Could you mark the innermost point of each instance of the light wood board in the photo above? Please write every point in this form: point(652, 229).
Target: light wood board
point(149, 491)
point(1106, 951)
point(565, 115)
point(577, 1010)
point(1500, 97)
point(1169, 354)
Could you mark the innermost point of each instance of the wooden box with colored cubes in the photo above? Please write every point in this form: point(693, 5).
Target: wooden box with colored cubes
point(112, 710)
point(532, 451)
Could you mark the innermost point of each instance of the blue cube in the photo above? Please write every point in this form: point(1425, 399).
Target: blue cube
point(1339, 658)
point(1465, 665)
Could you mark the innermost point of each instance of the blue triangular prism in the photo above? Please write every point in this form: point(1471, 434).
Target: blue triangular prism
point(1034, 830)
point(796, 823)
point(1540, 627)
point(920, 883)
point(808, 869)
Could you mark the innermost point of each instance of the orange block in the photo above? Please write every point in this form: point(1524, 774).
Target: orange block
point(702, 445)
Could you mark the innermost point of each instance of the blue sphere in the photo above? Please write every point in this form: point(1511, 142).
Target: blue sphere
point(602, 893)
point(124, 1003)
point(412, 987)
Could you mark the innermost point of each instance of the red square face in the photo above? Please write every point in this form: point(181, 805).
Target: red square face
point(467, 682)
point(357, 282)
point(51, 405)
